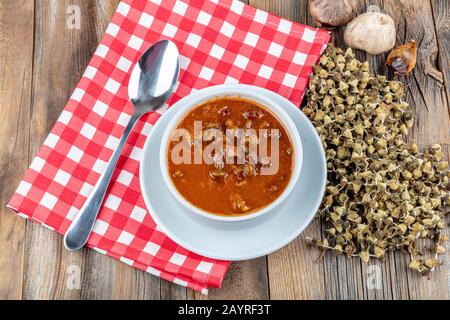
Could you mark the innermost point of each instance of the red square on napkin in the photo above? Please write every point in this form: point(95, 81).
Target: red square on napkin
point(220, 42)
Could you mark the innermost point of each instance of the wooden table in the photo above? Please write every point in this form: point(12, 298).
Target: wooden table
point(41, 61)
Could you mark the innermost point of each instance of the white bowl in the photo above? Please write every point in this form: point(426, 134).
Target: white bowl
point(238, 240)
point(266, 102)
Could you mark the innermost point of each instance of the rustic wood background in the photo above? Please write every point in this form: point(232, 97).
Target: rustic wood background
point(41, 61)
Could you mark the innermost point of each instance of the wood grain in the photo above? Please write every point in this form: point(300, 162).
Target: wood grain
point(441, 18)
point(348, 279)
point(16, 57)
point(60, 56)
point(41, 61)
point(427, 94)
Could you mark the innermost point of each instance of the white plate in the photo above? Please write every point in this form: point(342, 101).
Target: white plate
point(236, 240)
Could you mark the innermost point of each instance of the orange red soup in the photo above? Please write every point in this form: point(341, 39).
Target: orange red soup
point(231, 189)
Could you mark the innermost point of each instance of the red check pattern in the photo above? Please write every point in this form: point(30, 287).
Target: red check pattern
point(226, 42)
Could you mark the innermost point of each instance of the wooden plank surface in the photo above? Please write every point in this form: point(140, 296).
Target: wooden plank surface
point(39, 70)
point(426, 94)
point(16, 17)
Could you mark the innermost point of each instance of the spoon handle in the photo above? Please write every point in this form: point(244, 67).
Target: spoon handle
point(81, 227)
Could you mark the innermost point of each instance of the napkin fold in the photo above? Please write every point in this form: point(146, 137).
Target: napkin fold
point(220, 42)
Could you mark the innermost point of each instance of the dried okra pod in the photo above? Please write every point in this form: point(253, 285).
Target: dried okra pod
point(383, 194)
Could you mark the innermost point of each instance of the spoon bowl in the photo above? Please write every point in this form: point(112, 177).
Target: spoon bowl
point(152, 82)
point(149, 86)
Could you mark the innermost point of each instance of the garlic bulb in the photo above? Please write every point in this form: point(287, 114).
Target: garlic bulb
point(372, 32)
point(333, 12)
point(403, 58)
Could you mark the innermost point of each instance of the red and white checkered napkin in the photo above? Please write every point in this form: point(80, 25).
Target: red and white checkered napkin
point(226, 42)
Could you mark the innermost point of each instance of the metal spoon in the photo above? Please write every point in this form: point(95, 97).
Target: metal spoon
point(152, 82)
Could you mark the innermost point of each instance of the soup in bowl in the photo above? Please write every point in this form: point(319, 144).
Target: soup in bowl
point(231, 157)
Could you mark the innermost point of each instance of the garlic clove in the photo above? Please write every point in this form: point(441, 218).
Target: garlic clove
point(372, 32)
point(333, 13)
point(403, 58)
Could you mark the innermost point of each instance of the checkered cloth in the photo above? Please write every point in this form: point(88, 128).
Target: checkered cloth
point(226, 42)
